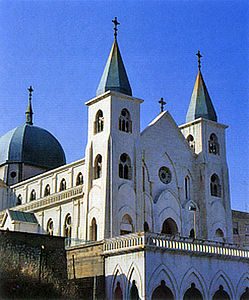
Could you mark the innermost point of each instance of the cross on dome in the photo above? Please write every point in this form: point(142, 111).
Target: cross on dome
point(116, 23)
point(29, 111)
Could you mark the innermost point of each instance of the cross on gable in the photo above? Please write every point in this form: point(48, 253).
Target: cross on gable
point(162, 104)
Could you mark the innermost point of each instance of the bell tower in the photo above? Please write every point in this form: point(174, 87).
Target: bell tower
point(111, 154)
point(207, 139)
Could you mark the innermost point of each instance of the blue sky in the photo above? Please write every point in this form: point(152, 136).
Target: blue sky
point(61, 47)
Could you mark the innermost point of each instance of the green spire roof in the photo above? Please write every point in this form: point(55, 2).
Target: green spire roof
point(114, 77)
point(201, 105)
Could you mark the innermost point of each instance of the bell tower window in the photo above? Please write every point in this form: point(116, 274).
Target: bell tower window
point(124, 168)
point(98, 167)
point(215, 187)
point(213, 145)
point(99, 122)
point(125, 123)
point(191, 141)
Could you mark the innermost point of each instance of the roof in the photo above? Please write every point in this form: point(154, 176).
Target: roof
point(200, 105)
point(114, 77)
point(31, 145)
point(22, 216)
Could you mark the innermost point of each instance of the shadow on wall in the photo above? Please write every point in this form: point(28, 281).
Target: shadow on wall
point(122, 288)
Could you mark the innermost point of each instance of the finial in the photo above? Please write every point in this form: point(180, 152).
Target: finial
point(116, 23)
point(162, 104)
point(199, 59)
point(29, 111)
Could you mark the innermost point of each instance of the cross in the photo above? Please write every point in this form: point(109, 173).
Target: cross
point(30, 89)
point(199, 59)
point(162, 104)
point(116, 23)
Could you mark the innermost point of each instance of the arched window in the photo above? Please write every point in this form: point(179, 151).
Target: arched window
point(213, 145)
point(79, 179)
point(126, 225)
point(63, 185)
point(19, 200)
point(98, 167)
point(215, 187)
point(47, 190)
point(134, 294)
point(221, 294)
point(118, 293)
point(146, 227)
point(93, 230)
point(125, 123)
point(187, 188)
point(50, 227)
point(169, 227)
point(99, 122)
point(191, 141)
point(68, 229)
point(32, 195)
point(192, 293)
point(162, 292)
point(124, 168)
point(245, 295)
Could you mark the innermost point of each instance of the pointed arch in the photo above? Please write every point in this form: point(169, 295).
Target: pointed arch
point(118, 276)
point(79, 179)
point(32, 196)
point(221, 279)
point(162, 272)
point(126, 225)
point(173, 166)
point(99, 122)
point(242, 285)
point(193, 276)
point(47, 190)
point(133, 275)
point(213, 145)
point(93, 230)
point(125, 123)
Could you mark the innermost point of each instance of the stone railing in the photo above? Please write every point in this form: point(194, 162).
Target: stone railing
point(36, 205)
point(142, 240)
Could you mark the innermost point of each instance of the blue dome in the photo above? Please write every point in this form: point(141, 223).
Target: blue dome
point(31, 145)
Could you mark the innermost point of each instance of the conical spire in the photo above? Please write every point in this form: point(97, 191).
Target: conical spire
point(29, 112)
point(200, 105)
point(114, 77)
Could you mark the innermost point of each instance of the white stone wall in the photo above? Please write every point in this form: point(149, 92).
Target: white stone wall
point(124, 269)
point(178, 270)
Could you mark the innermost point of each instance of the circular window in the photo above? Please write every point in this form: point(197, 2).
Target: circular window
point(13, 174)
point(164, 175)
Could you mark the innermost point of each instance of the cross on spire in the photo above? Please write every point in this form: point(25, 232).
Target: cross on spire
point(162, 104)
point(116, 23)
point(199, 59)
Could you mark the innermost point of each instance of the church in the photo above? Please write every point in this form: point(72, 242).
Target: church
point(150, 209)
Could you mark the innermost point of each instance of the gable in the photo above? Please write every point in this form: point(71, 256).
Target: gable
point(163, 133)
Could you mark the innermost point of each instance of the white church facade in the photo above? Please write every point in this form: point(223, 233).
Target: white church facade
point(157, 200)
